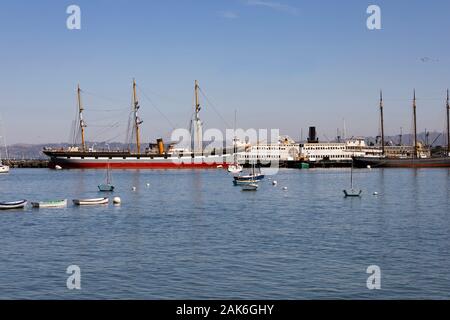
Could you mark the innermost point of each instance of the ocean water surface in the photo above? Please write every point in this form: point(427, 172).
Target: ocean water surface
point(193, 235)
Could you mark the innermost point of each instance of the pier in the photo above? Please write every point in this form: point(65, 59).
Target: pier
point(26, 163)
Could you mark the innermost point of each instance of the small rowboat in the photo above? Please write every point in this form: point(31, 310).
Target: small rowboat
point(90, 202)
point(250, 187)
point(50, 204)
point(244, 182)
point(13, 205)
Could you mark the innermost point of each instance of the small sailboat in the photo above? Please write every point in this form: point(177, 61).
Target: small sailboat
point(13, 205)
point(4, 168)
point(90, 202)
point(352, 192)
point(250, 187)
point(50, 204)
point(253, 176)
point(108, 186)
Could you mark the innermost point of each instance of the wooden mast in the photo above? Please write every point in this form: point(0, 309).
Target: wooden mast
point(197, 134)
point(82, 124)
point(382, 122)
point(415, 125)
point(137, 121)
point(448, 125)
point(197, 103)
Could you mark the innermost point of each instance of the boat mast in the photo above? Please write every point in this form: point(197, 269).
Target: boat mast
point(137, 121)
point(82, 124)
point(351, 176)
point(448, 125)
point(415, 125)
point(197, 103)
point(382, 122)
point(197, 138)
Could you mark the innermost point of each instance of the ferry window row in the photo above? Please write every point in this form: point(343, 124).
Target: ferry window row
point(324, 148)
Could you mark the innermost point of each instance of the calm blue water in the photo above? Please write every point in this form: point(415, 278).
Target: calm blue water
point(192, 234)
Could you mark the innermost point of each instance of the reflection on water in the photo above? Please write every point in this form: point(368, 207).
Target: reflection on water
point(192, 234)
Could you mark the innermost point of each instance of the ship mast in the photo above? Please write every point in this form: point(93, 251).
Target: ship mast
point(382, 122)
point(137, 120)
point(82, 124)
point(415, 125)
point(197, 134)
point(448, 125)
point(197, 103)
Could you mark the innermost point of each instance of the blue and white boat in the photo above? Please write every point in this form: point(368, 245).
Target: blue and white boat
point(249, 178)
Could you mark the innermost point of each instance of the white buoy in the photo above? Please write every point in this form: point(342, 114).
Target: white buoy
point(284, 188)
point(148, 185)
point(274, 182)
point(133, 189)
point(116, 200)
point(369, 167)
point(375, 193)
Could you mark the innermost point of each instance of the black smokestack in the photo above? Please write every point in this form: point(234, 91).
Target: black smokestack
point(312, 136)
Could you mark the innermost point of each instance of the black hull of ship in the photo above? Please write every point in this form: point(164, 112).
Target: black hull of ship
point(443, 162)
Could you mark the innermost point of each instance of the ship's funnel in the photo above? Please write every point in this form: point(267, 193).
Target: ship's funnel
point(160, 145)
point(312, 136)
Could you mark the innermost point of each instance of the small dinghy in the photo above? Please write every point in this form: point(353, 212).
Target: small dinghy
point(50, 204)
point(250, 187)
point(90, 202)
point(13, 205)
point(4, 169)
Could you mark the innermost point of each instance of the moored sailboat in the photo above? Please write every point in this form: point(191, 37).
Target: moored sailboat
point(107, 186)
point(352, 192)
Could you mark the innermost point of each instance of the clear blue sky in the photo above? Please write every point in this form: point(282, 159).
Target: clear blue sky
point(281, 63)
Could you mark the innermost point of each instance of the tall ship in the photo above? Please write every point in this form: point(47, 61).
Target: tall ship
point(418, 158)
point(153, 156)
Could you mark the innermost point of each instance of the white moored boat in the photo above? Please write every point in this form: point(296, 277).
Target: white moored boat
point(13, 205)
point(50, 204)
point(4, 169)
point(90, 202)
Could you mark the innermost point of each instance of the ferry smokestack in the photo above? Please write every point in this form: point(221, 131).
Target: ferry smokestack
point(160, 145)
point(312, 136)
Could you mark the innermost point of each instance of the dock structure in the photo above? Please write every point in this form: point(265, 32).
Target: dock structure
point(26, 163)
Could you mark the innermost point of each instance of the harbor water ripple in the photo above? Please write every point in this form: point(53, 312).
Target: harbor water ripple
point(193, 235)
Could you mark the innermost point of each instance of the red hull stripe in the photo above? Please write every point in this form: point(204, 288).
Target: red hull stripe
point(135, 165)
